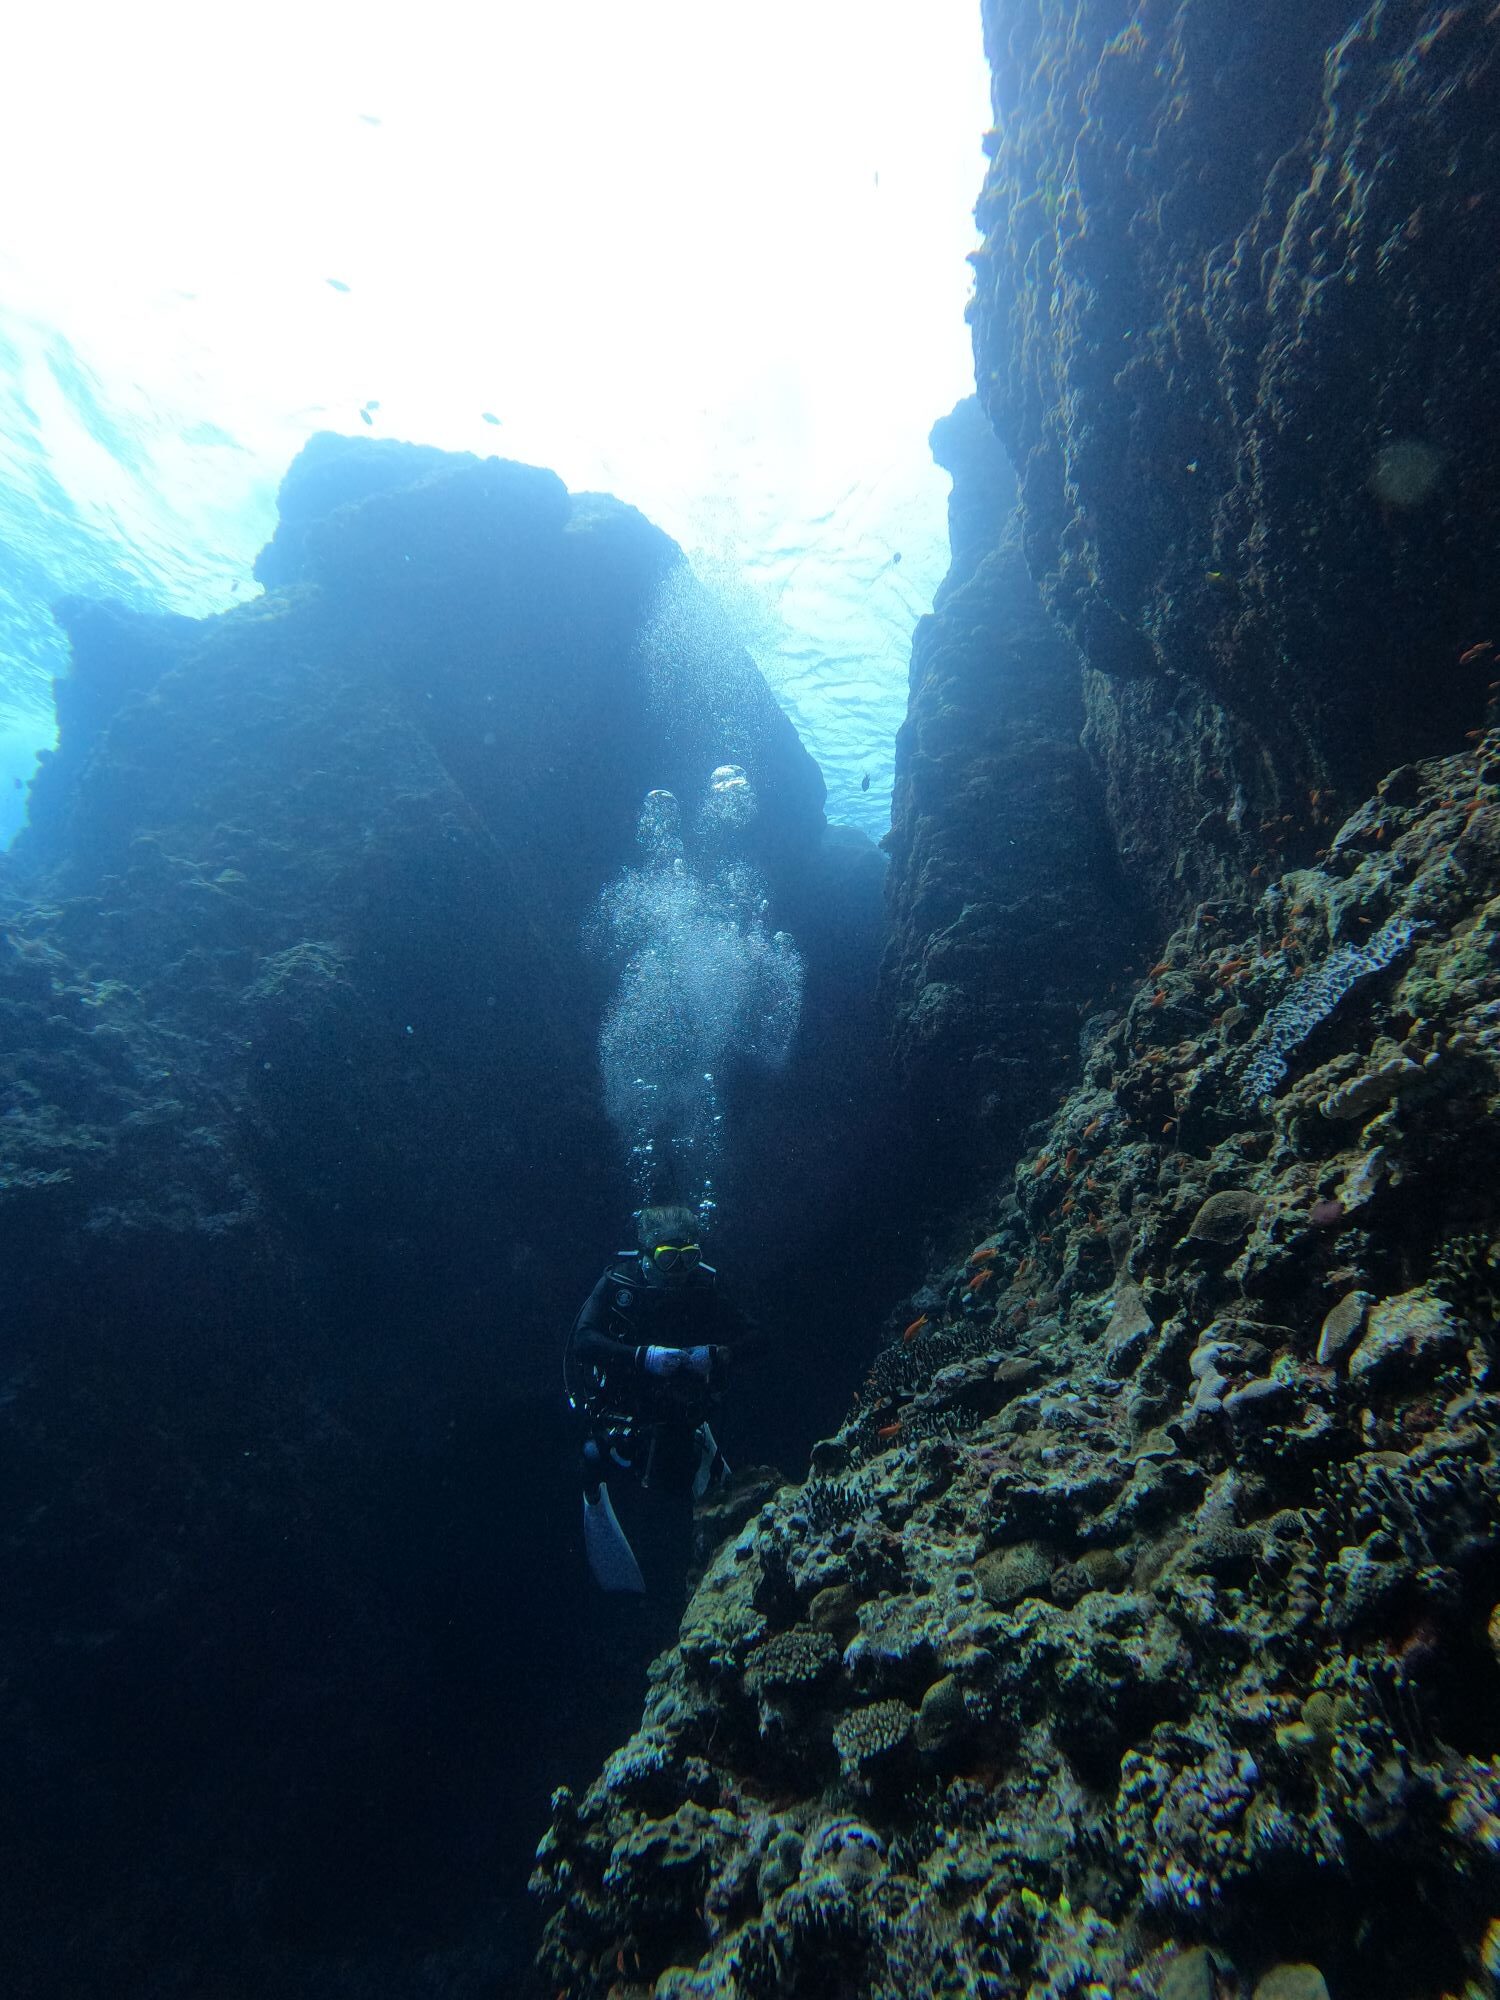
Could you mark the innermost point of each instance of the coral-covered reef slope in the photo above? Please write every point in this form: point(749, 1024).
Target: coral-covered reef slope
point(1234, 321)
point(1140, 1628)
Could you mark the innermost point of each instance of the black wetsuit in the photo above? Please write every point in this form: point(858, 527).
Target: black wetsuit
point(635, 1424)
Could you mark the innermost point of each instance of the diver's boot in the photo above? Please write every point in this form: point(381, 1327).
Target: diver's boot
point(611, 1558)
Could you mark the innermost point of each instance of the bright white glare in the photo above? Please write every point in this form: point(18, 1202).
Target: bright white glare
point(710, 259)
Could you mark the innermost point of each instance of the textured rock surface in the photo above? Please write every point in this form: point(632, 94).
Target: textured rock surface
point(1160, 1543)
point(306, 883)
point(1177, 1659)
point(1234, 314)
point(1007, 910)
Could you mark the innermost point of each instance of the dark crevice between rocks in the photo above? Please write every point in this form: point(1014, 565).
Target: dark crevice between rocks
point(1009, 915)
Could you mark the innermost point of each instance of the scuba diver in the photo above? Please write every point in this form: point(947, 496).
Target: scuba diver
point(644, 1365)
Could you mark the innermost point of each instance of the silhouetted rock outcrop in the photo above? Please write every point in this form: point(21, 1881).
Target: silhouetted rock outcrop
point(303, 1174)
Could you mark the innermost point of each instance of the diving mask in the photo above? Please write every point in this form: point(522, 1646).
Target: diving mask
point(676, 1256)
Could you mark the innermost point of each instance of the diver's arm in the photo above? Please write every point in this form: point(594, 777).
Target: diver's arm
point(681, 1364)
point(618, 1363)
point(595, 1346)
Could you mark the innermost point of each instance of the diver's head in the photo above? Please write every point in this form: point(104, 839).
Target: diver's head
point(667, 1237)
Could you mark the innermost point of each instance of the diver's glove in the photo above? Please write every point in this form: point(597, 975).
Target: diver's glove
point(698, 1364)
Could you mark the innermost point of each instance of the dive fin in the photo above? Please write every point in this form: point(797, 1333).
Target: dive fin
point(610, 1555)
point(712, 1471)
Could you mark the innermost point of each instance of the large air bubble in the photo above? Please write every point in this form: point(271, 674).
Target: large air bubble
point(728, 805)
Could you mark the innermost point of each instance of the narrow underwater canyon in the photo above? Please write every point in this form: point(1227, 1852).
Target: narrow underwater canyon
point(1138, 1629)
point(1109, 1598)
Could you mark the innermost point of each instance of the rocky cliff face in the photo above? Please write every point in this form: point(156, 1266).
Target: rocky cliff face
point(1234, 322)
point(325, 864)
point(303, 1175)
point(1138, 1629)
point(1008, 912)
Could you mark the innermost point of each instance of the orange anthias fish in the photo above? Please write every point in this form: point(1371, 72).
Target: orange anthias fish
point(983, 1256)
point(915, 1328)
point(889, 1430)
point(979, 1280)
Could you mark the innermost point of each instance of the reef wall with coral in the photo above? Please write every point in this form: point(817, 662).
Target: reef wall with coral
point(1140, 1628)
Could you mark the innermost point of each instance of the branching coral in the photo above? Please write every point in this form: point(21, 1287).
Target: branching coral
point(1466, 1272)
point(870, 1741)
point(791, 1663)
point(829, 1504)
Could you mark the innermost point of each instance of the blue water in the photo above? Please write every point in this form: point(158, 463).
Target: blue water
point(99, 498)
point(564, 235)
point(107, 492)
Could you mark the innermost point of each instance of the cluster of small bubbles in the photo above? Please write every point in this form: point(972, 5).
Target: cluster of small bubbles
point(700, 980)
point(697, 642)
point(659, 828)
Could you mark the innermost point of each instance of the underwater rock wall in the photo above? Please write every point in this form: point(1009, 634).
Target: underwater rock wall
point(1235, 323)
point(1139, 1630)
point(303, 1174)
point(303, 893)
point(1007, 911)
